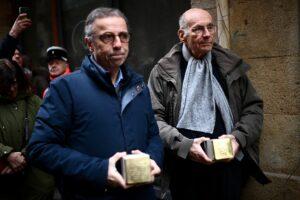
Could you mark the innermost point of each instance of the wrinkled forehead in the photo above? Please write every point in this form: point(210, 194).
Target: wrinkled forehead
point(110, 24)
point(198, 16)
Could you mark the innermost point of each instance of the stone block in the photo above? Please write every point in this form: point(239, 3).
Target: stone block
point(277, 81)
point(264, 28)
point(280, 143)
point(281, 188)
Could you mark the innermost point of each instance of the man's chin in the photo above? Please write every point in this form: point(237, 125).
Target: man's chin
point(117, 62)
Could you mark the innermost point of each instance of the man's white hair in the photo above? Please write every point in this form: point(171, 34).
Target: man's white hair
point(183, 25)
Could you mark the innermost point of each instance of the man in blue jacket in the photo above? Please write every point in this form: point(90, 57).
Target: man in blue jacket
point(93, 117)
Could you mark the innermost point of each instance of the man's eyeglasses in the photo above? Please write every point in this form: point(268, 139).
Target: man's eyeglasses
point(199, 30)
point(109, 38)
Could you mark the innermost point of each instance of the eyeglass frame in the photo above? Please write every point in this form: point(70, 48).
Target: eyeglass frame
point(201, 30)
point(114, 37)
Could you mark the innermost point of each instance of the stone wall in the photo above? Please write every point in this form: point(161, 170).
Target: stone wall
point(266, 34)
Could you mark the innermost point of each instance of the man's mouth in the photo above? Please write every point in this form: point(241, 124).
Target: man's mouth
point(117, 56)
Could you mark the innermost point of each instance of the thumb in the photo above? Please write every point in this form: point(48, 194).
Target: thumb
point(117, 157)
point(136, 151)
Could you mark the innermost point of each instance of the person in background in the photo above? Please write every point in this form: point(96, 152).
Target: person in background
point(10, 47)
point(18, 107)
point(58, 65)
point(9, 44)
point(200, 91)
point(23, 61)
point(93, 117)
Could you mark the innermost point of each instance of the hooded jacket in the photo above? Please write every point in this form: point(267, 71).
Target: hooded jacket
point(83, 122)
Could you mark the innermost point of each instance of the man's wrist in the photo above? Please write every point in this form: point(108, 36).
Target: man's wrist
point(13, 34)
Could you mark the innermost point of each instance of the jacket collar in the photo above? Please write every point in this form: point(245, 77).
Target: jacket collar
point(103, 78)
point(231, 65)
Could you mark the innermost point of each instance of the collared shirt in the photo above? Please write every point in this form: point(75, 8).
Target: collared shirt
point(119, 77)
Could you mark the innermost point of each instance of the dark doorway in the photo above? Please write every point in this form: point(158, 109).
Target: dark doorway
point(153, 23)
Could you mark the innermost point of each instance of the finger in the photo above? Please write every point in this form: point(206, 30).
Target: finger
point(24, 163)
point(4, 171)
point(226, 136)
point(136, 151)
point(13, 165)
point(204, 158)
point(154, 168)
point(119, 179)
point(155, 171)
point(26, 23)
point(22, 15)
point(116, 157)
point(201, 139)
point(9, 170)
point(222, 136)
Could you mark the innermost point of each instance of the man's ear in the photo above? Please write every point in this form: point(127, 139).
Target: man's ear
point(88, 42)
point(181, 35)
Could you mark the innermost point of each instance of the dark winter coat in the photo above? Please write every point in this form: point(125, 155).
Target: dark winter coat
point(83, 122)
point(32, 183)
point(165, 85)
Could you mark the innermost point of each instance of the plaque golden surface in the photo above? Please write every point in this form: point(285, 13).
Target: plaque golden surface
point(222, 149)
point(219, 149)
point(136, 169)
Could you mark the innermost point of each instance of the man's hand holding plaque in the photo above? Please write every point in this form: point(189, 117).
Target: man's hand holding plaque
point(234, 143)
point(222, 149)
point(137, 169)
point(114, 178)
point(197, 153)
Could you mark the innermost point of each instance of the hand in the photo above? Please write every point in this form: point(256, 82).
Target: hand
point(196, 152)
point(16, 161)
point(234, 143)
point(20, 24)
point(114, 178)
point(155, 170)
point(7, 170)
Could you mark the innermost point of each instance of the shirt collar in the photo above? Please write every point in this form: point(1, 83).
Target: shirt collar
point(119, 77)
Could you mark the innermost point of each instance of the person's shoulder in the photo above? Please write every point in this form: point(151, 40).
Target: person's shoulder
point(34, 100)
point(172, 56)
point(76, 75)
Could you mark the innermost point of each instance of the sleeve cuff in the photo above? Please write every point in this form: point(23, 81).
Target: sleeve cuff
point(185, 147)
point(241, 139)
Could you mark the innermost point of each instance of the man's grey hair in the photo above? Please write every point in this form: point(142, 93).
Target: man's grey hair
point(183, 24)
point(99, 13)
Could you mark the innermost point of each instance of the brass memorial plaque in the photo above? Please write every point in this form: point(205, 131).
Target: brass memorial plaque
point(136, 169)
point(222, 149)
point(219, 149)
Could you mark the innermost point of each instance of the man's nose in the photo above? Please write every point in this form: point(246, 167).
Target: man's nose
point(117, 42)
point(206, 32)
